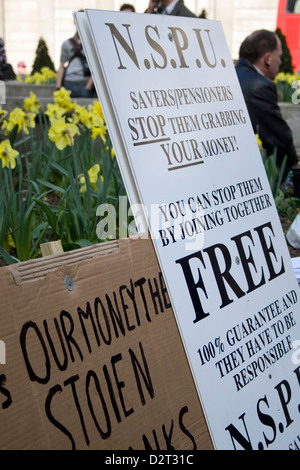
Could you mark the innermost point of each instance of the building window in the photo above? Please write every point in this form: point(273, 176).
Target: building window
point(292, 6)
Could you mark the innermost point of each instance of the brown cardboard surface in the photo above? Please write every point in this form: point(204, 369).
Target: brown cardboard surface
point(94, 359)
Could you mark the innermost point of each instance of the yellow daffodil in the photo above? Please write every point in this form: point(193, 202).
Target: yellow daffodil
point(280, 77)
point(18, 117)
point(290, 78)
point(8, 155)
point(112, 152)
point(93, 177)
point(48, 74)
point(32, 103)
point(96, 109)
point(15, 119)
point(3, 113)
point(87, 119)
point(78, 113)
point(10, 240)
point(54, 111)
point(62, 133)
point(28, 121)
point(98, 128)
point(29, 79)
point(45, 75)
point(38, 78)
point(63, 99)
point(99, 131)
point(259, 142)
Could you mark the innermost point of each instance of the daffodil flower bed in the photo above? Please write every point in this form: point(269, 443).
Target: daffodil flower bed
point(288, 87)
point(45, 76)
point(56, 168)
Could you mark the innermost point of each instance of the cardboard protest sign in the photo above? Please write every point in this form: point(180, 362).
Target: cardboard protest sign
point(93, 355)
point(178, 120)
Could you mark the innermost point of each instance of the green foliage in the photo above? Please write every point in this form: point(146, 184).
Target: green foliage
point(289, 207)
point(287, 85)
point(274, 174)
point(286, 59)
point(44, 199)
point(42, 58)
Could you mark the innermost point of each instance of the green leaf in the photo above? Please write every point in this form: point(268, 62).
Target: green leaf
point(75, 245)
point(51, 186)
point(13, 134)
point(83, 242)
point(50, 214)
point(59, 168)
point(8, 258)
point(37, 230)
point(76, 194)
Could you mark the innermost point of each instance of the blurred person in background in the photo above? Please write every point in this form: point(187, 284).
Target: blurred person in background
point(259, 61)
point(21, 69)
point(169, 7)
point(73, 72)
point(127, 7)
point(6, 70)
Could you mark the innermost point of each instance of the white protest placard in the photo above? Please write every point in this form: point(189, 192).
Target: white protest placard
point(176, 114)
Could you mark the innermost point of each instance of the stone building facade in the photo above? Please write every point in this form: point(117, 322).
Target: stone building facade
point(24, 22)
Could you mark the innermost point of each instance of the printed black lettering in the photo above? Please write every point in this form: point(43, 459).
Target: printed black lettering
point(156, 47)
point(237, 436)
point(267, 420)
point(180, 37)
point(129, 49)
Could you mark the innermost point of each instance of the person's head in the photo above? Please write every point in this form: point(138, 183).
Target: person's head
point(264, 50)
point(127, 7)
point(21, 67)
point(166, 3)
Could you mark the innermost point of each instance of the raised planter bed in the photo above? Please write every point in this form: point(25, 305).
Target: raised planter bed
point(16, 92)
point(291, 113)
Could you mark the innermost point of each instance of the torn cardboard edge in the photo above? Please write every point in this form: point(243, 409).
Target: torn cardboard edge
point(32, 270)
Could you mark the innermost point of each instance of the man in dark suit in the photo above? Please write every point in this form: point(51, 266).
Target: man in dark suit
point(259, 62)
point(169, 7)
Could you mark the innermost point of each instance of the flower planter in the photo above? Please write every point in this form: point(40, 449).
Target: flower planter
point(16, 92)
point(291, 113)
point(14, 88)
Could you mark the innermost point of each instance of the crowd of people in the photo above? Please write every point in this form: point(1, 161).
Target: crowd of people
point(258, 64)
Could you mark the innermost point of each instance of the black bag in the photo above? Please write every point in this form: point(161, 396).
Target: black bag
point(78, 53)
point(7, 72)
